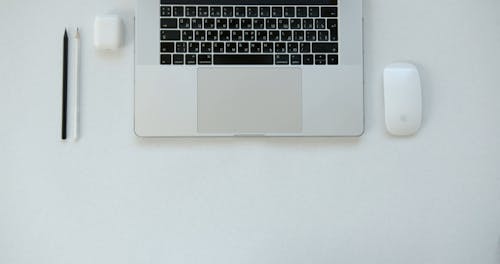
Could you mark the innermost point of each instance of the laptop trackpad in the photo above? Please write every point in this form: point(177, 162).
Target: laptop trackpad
point(249, 100)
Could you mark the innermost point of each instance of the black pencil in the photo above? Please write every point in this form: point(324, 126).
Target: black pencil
point(65, 88)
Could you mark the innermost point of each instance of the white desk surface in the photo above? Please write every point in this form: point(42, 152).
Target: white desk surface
point(113, 198)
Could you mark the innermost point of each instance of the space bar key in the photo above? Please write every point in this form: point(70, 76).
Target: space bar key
point(243, 59)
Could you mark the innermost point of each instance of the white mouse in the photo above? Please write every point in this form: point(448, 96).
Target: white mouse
point(403, 99)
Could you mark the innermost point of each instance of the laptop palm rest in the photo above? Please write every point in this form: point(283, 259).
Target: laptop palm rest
point(249, 100)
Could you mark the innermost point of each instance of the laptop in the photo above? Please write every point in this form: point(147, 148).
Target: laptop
point(215, 68)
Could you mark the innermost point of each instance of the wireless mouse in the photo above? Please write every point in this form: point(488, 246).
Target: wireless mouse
point(403, 99)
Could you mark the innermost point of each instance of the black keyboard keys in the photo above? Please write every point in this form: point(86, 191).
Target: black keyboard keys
point(178, 11)
point(205, 59)
point(265, 11)
point(329, 11)
point(178, 59)
point(324, 47)
point(320, 59)
point(252, 11)
point(239, 11)
point(308, 59)
point(282, 59)
point(227, 11)
point(296, 59)
point(289, 11)
point(166, 11)
point(301, 11)
point(170, 35)
point(190, 59)
point(215, 11)
point(169, 23)
point(167, 47)
point(203, 11)
point(191, 11)
point(333, 59)
point(243, 59)
point(166, 59)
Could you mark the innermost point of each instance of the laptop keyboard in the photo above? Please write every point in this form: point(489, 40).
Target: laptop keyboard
point(248, 35)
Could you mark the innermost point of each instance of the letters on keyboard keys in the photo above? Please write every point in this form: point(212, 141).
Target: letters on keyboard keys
point(249, 34)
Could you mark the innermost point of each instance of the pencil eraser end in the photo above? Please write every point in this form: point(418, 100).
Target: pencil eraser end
point(107, 32)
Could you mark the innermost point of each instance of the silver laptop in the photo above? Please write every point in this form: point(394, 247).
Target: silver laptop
point(249, 68)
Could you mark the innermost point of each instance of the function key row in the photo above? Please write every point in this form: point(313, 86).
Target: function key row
point(248, 23)
point(250, 11)
point(245, 59)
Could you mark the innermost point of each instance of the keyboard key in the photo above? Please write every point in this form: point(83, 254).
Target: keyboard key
point(181, 47)
point(166, 59)
point(295, 24)
point(293, 47)
point(234, 23)
point(320, 59)
point(178, 59)
point(224, 35)
point(298, 35)
point(246, 23)
point(169, 23)
point(240, 11)
point(286, 35)
point(190, 59)
point(282, 59)
point(215, 11)
point(277, 11)
point(331, 23)
point(205, 59)
point(333, 59)
point(243, 47)
point(252, 11)
point(187, 35)
point(227, 11)
point(280, 47)
point(283, 23)
point(249, 35)
point(329, 11)
point(261, 35)
point(203, 11)
point(178, 11)
point(270, 23)
point(184, 23)
point(218, 47)
point(320, 23)
point(221, 23)
point(255, 47)
point(166, 11)
point(323, 35)
point(200, 35)
point(308, 23)
point(274, 35)
point(258, 23)
point(308, 59)
point(301, 11)
point(324, 47)
point(311, 35)
point(194, 47)
point(212, 35)
point(206, 47)
point(314, 11)
point(237, 35)
point(289, 11)
point(171, 35)
point(196, 23)
point(296, 59)
point(231, 47)
point(305, 47)
point(167, 47)
point(191, 11)
point(209, 23)
point(267, 47)
point(244, 59)
point(265, 11)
